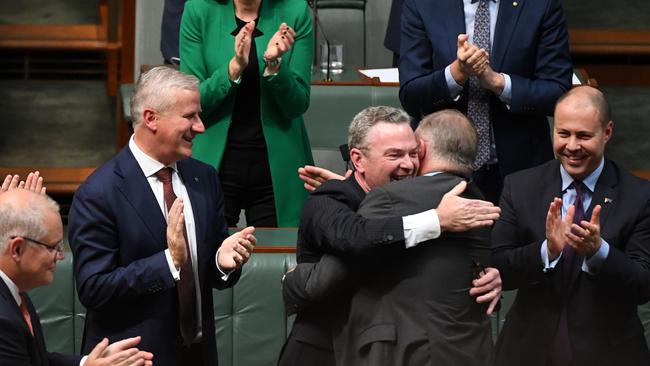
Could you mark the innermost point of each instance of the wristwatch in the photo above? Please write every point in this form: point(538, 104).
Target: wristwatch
point(273, 63)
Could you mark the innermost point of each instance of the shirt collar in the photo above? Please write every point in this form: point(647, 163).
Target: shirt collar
point(589, 181)
point(149, 165)
point(12, 287)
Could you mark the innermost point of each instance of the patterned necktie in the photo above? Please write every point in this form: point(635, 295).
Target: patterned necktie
point(185, 286)
point(478, 107)
point(561, 353)
point(23, 309)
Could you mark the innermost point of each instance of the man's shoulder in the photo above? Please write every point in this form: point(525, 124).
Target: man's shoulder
point(437, 182)
point(538, 173)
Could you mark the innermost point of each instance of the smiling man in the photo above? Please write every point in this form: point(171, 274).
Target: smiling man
point(148, 233)
point(580, 273)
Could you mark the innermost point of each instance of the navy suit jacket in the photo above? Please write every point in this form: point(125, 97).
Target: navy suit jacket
point(18, 347)
point(118, 236)
point(604, 327)
point(530, 44)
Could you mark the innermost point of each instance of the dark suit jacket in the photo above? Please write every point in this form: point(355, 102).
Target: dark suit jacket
point(391, 40)
point(416, 310)
point(17, 345)
point(118, 237)
point(330, 224)
point(604, 327)
point(530, 44)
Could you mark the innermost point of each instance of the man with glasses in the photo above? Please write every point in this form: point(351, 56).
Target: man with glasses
point(31, 243)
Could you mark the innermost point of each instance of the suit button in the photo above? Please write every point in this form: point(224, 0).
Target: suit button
point(389, 237)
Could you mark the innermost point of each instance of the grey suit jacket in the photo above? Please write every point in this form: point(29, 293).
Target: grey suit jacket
point(415, 308)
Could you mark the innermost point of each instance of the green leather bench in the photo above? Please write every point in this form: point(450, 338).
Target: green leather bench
point(250, 318)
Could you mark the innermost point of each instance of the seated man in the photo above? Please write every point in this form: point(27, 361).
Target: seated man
point(31, 235)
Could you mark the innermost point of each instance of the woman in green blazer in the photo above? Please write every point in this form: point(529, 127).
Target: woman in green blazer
point(253, 59)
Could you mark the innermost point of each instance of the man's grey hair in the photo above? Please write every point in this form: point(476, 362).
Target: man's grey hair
point(154, 90)
point(24, 218)
point(449, 136)
point(364, 120)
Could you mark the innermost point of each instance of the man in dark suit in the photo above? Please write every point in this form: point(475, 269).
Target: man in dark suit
point(391, 39)
point(503, 63)
point(31, 242)
point(145, 262)
point(383, 148)
point(581, 265)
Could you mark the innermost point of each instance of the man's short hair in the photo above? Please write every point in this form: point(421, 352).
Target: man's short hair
point(593, 98)
point(24, 218)
point(155, 87)
point(449, 136)
point(364, 120)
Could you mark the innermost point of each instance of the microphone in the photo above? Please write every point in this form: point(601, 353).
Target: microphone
point(313, 4)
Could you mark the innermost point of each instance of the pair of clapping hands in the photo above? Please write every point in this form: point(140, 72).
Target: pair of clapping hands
point(278, 45)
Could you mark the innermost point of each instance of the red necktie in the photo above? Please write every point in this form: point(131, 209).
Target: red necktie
point(185, 286)
point(23, 309)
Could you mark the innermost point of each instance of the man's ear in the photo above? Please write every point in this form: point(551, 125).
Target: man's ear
point(150, 119)
point(422, 149)
point(356, 158)
point(16, 247)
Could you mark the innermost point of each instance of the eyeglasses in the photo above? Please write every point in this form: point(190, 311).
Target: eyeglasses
point(57, 248)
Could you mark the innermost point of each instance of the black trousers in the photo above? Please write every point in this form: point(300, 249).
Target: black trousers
point(246, 181)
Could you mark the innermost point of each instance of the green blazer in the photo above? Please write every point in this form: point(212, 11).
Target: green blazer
point(206, 47)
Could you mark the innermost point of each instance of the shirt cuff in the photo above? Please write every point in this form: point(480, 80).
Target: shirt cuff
point(421, 227)
point(595, 263)
point(506, 94)
point(235, 82)
point(454, 88)
point(176, 273)
point(83, 360)
point(224, 274)
point(544, 252)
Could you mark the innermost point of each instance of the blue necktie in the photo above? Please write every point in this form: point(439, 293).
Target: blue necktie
point(478, 107)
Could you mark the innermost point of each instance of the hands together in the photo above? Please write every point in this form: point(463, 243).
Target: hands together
point(474, 61)
point(584, 238)
point(121, 353)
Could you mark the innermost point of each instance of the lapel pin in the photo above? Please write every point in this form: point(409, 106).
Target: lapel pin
point(196, 179)
point(514, 3)
point(608, 200)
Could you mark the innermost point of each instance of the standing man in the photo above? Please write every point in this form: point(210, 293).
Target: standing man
point(391, 39)
point(503, 63)
point(145, 261)
point(31, 242)
point(582, 264)
point(382, 149)
point(420, 311)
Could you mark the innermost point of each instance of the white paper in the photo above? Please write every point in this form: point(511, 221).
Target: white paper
point(575, 80)
point(385, 75)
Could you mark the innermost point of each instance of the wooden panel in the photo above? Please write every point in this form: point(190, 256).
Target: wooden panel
point(57, 180)
point(609, 41)
point(645, 174)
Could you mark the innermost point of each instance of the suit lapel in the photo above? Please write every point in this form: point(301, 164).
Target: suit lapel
point(604, 193)
point(504, 30)
point(453, 15)
point(135, 188)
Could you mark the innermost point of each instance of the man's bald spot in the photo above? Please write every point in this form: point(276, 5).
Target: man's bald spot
point(583, 97)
